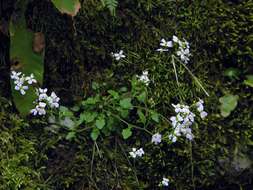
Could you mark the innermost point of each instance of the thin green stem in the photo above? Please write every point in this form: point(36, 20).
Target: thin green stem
point(192, 167)
point(129, 124)
point(175, 70)
point(193, 76)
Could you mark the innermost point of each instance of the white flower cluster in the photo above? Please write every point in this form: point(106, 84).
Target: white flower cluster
point(43, 101)
point(200, 108)
point(136, 153)
point(156, 138)
point(21, 81)
point(182, 122)
point(165, 182)
point(144, 78)
point(118, 55)
point(183, 51)
point(165, 45)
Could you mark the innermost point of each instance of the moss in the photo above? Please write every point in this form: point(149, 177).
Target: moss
point(78, 52)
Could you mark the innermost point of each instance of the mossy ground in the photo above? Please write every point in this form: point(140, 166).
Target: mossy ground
point(78, 52)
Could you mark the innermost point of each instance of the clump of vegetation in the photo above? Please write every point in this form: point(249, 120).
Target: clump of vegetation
point(147, 95)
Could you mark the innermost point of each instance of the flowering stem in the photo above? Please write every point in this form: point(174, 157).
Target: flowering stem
point(192, 166)
point(193, 76)
point(175, 71)
point(129, 124)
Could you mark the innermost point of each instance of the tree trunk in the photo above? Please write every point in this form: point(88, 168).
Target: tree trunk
point(63, 73)
point(6, 9)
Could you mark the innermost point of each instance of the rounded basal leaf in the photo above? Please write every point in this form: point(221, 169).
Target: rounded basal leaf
point(249, 80)
point(25, 59)
point(126, 133)
point(155, 116)
point(71, 135)
point(70, 7)
point(89, 116)
point(126, 103)
point(228, 104)
point(232, 73)
point(100, 122)
point(94, 134)
point(141, 116)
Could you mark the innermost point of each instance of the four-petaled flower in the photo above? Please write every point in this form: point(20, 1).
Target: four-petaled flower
point(118, 55)
point(15, 75)
point(166, 44)
point(165, 182)
point(144, 78)
point(156, 138)
point(136, 153)
point(30, 79)
point(39, 109)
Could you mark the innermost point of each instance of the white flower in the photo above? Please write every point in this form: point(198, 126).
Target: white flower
point(203, 114)
point(30, 79)
point(136, 153)
point(43, 94)
point(42, 91)
point(183, 51)
point(156, 138)
point(200, 108)
point(20, 87)
point(181, 122)
point(144, 78)
point(173, 138)
point(118, 55)
point(44, 100)
point(39, 109)
point(140, 152)
point(165, 182)
point(162, 50)
point(15, 75)
point(53, 100)
point(133, 153)
point(165, 43)
point(175, 39)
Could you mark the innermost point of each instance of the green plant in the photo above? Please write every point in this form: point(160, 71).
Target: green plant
point(70, 7)
point(17, 155)
point(111, 5)
point(228, 104)
point(110, 111)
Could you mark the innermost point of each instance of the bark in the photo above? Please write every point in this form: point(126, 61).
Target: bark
point(6, 9)
point(63, 73)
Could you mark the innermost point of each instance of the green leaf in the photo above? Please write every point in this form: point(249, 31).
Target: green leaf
point(21, 52)
point(141, 116)
point(249, 80)
point(155, 116)
point(88, 116)
point(95, 86)
point(70, 7)
point(71, 135)
point(94, 134)
point(91, 101)
point(126, 103)
point(65, 112)
point(123, 112)
point(114, 94)
point(67, 122)
point(228, 104)
point(126, 133)
point(142, 97)
point(232, 73)
point(111, 5)
point(100, 122)
point(75, 108)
